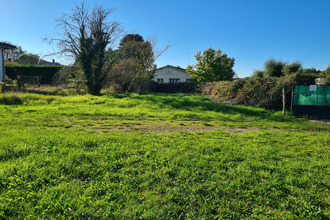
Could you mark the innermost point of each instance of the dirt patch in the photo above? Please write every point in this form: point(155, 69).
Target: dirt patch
point(173, 129)
point(325, 122)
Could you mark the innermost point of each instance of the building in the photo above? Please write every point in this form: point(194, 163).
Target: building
point(171, 74)
point(3, 46)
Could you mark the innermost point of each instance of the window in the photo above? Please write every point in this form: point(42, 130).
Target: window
point(160, 80)
point(174, 80)
point(168, 72)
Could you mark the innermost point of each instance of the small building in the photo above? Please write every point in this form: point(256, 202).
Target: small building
point(171, 74)
point(3, 46)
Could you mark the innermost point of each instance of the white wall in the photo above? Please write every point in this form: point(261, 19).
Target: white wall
point(169, 72)
point(2, 66)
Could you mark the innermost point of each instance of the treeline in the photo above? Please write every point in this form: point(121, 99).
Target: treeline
point(279, 68)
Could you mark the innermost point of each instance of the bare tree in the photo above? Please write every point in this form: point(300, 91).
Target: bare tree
point(86, 35)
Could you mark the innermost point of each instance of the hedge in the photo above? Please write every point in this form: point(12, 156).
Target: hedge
point(44, 72)
point(183, 87)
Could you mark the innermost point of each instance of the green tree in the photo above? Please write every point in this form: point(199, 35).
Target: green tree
point(311, 71)
point(139, 57)
point(28, 59)
point(291, 68)
point(14, 54)
point(274, 68)
point(325, 73)
point(86, 36)
point(212, 65)
point(128, 38)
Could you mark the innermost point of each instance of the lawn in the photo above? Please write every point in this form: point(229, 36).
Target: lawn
point(158, 156)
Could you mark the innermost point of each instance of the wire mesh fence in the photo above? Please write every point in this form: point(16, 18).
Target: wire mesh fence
point(311, 95)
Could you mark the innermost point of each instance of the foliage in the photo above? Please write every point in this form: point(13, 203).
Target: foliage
point(139, 69)
point(28, 59)
point(291, 68)
point(122, 74)
point(86, 36)
point(163, 156)
point(273, 68)
point(131, 46)
point(129, 38)
point(258, 73)
point(20, 56)
point(254, 91)
point(311, 71)
point(70, 76)
point(45, 73)
point(8, 63)
point(303, 77)
point(325, 73)
point(1, 87)
point(14, 54)
point(211, 66)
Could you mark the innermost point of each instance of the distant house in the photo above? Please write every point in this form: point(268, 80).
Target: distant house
point(171, 74)
point(47, 63)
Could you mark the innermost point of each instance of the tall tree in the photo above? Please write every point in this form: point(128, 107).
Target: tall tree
point(128, 38)
point(274, 68)
point(291, 68)
point(13, 55)
point(138, 55)
point(28, 59)
point(212, 65)
point(86, 36)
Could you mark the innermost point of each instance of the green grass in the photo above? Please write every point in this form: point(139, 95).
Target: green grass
point(158, 156)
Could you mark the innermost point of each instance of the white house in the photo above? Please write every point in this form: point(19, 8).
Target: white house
point(171, 74)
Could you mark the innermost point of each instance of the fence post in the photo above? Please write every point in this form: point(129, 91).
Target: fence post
point(283, 100)
point(291, 99)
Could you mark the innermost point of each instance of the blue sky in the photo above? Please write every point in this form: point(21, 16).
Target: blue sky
point(251, 31)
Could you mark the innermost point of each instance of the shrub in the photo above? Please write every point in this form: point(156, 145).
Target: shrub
point(255, 91)
point(70, 77)
point(274, 68)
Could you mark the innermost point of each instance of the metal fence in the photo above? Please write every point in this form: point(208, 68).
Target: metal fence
point(311, 95)
point(311, 100)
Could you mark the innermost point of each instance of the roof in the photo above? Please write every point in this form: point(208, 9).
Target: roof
point(45, 62)
point(173, 67)
point(6, 45)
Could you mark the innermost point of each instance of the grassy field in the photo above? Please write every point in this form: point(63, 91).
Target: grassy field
point(158, 156)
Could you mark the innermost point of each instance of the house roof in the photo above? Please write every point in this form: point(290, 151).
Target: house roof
point(6, 46)
point(45, 62)
point(173, 67)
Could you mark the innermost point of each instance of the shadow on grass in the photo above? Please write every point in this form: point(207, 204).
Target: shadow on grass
point(10, 100)
point(47, 90)
point(190, 102)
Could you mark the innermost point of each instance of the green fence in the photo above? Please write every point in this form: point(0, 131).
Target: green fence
point(311, 95)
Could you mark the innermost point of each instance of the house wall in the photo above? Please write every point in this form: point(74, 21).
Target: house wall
point(2, 66)
point(168, 73)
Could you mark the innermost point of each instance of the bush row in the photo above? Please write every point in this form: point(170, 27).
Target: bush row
point(257, 91)
point(45, 73)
